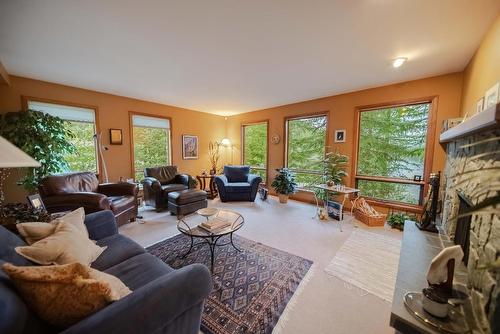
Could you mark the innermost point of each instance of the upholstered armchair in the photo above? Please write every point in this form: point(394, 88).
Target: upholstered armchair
point(159, 181)
point(70, 191)
point(237, 184)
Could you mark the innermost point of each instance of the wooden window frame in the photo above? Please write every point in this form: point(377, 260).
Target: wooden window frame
point(24, 105)
point(243, 125)
point(428, 157)
point(286, 136)
point(131, 132)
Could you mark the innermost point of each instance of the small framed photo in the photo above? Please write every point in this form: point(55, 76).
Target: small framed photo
point(480, 105)
point(340, 136)
point(189, 147)
point(491, 96)
point(417, 178)
point(115, 137)
point(36, 202)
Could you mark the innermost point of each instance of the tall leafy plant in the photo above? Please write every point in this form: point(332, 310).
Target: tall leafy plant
point(334, 166)
point(43, 137)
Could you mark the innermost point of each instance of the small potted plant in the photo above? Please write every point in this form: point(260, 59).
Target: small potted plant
point(284, 184)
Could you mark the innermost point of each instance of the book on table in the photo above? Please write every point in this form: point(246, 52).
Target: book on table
point(215, 224)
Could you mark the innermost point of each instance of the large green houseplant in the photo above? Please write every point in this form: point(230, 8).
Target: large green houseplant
point(41, 136)
point(334, 166)
point(284, 184)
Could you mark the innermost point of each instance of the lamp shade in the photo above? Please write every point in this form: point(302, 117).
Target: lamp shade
point(226, 142)
point(11, 156)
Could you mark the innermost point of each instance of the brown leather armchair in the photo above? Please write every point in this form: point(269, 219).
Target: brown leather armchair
point(73, 190)
point(159, 181)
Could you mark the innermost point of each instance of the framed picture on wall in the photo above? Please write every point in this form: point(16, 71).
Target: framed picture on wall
point(491, 96)
point(189, 147)
point(480, 105)
point(115, 137)
point(340, 136)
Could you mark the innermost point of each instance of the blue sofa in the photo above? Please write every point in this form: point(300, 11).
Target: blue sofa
point(237, 184)
point(163, 300)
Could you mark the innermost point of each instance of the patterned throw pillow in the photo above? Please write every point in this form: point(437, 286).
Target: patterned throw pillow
point(69, 243)
point(64, 295)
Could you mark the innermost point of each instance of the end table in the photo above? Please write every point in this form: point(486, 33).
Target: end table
point(212, 189)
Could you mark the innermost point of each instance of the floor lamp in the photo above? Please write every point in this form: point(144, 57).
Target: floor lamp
point(227, 143)
point(12, 157)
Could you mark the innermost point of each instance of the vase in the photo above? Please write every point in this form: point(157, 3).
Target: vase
point(283, 198)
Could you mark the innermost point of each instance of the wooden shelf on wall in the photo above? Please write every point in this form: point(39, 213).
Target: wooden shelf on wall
point(486, 120)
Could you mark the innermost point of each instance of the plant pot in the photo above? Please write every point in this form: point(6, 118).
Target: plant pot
point(330, 183)
point(283, 198)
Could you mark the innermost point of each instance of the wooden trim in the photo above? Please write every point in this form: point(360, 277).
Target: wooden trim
point(4, 75)
point(24, 105)
point(325, 113)
point(131, 135)
point(389, 180)
point(242, 157)
point(429, 142)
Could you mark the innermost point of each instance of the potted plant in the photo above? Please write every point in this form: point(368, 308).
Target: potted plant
point(397, 220)
point(41, 136)
point(334, 165)
point(284, 184)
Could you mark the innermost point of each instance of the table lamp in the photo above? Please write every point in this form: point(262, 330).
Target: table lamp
point(12, 157)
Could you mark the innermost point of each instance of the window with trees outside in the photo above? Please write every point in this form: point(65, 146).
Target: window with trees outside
point(255, 148)
point(151, 139)
point(391, 152)
point(305, 147)
point(81, 123)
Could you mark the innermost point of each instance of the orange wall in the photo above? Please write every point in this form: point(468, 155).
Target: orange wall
point(342, 115)
point(113, 112)
point(483, 70)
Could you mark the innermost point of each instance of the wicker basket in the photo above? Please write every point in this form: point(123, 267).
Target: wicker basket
point(370, 220)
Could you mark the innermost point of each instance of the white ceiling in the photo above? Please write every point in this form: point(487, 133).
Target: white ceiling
point(233, 56)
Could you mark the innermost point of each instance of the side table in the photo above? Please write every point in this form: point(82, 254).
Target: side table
point(212, 189)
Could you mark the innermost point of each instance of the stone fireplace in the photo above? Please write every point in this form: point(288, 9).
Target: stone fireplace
point(462, 231)
point(472, 176)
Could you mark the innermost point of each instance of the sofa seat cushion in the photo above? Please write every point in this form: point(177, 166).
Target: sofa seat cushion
point(168, 188)
point(119, 204)
point(139, 270)
point(120, 248)
point(187, 196)
point(238, 187)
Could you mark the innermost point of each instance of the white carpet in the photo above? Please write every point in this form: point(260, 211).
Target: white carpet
point(369, 261)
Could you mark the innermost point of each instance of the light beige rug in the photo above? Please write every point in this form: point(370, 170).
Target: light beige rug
point(369, 261)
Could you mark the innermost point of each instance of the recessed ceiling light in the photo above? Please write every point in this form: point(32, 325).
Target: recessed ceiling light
point(398, 62)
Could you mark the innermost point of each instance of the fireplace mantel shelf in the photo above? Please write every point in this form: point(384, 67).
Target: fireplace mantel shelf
point(485, 120)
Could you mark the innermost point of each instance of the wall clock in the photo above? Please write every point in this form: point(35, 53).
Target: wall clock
point(275, 139)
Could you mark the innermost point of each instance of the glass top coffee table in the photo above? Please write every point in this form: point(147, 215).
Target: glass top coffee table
point(191, 226)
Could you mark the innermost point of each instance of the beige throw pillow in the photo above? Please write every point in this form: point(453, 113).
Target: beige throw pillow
point(66, 245)
point(64, 295)
point(33, 232)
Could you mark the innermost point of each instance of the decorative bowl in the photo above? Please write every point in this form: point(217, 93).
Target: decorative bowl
point(207, 212)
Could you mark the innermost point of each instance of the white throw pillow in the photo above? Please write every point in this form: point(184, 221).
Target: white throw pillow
point(67, 244)
point(34, 231)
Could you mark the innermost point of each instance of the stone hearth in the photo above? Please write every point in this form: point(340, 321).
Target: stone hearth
point(473, 168)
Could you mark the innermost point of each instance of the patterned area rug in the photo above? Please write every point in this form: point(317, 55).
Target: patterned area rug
point(369, 261)
point(254, 285)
